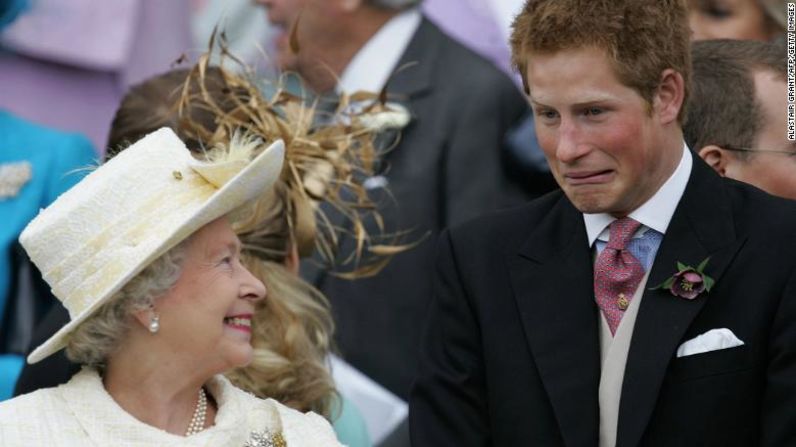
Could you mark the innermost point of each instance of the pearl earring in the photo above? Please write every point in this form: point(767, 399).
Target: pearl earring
point(154, 324)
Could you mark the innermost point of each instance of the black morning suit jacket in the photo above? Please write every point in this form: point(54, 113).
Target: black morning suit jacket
point(511, 352)
point(448, 167)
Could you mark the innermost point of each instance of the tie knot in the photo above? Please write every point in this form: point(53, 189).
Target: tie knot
point(621, 231)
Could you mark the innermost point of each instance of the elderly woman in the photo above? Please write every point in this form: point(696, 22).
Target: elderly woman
point(143, 255)
point(292, 330)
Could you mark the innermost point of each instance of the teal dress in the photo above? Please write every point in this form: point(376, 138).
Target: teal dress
point(37, 164)
point(349, 425)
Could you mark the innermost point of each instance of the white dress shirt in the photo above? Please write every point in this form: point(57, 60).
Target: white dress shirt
point(655, 213)
point(373, 64)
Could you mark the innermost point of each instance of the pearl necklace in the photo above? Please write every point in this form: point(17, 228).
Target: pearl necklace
point(199, 415)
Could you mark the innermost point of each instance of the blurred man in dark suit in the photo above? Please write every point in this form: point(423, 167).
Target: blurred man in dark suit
point(449, 165)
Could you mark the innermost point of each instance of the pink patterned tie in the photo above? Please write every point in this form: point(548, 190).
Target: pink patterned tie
point(617, 273)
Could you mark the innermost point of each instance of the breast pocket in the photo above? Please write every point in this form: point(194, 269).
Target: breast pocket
point(713, 363)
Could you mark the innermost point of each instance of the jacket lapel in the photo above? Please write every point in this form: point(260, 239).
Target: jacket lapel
point(414, 72)
point(551, 278)
point(702, 227)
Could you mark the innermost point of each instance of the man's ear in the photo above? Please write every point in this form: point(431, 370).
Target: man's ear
point(668, 100)
point(716, 157)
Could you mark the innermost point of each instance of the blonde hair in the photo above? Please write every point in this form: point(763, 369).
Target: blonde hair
point(291, 338)
point(292, 328)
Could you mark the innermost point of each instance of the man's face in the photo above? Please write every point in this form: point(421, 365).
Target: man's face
point(314, 25)
point(605, 149)
point(282, 14)
point(772, 172)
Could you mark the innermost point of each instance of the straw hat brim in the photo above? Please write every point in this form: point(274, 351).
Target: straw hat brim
point(258, 176)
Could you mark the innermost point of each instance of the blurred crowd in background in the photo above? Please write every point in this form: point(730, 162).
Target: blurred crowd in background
point(67, 64)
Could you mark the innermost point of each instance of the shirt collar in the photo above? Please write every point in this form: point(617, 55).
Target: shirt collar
point(373, 64)
point(655, 213)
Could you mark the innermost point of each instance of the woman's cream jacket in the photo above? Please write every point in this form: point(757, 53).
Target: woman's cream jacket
point(82, 413)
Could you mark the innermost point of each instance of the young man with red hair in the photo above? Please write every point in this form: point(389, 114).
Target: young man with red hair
point(649, 302)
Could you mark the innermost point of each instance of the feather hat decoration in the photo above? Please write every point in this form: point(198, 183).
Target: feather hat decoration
point(328, 156)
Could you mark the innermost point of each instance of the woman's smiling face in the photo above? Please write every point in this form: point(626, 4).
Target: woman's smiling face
point(207, 314)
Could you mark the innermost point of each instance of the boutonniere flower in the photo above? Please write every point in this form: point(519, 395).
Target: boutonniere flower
point(688, 282)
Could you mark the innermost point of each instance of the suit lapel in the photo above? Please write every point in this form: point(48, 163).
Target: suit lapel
point(552, 282)
point(414, 72)
point(701, 227)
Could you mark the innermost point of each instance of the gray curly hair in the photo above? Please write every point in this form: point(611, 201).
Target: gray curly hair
point(97, 337)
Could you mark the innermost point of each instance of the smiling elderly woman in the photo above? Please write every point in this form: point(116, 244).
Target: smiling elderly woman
point(143, 255)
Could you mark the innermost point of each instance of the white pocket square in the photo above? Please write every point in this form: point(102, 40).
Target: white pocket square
point(712, 340)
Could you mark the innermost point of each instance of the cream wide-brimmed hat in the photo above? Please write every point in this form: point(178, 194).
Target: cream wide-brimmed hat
point(128, 212)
